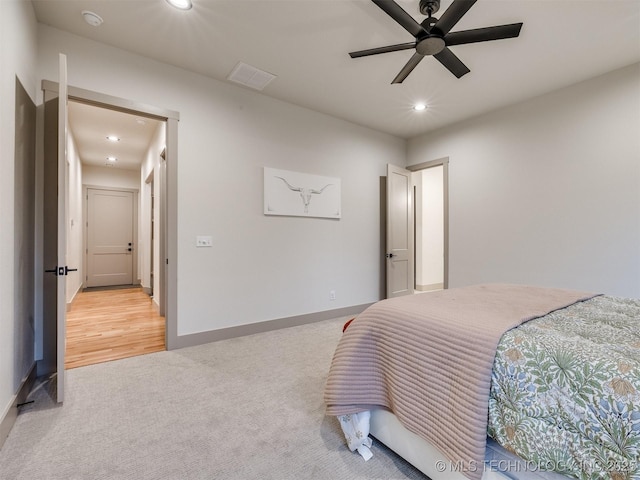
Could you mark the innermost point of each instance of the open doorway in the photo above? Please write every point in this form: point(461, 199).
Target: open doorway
point(111, 313)
point(425, 184)
point(53, 169)
point(431, 220)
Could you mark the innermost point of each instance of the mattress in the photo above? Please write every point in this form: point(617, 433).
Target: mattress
point(499, 464)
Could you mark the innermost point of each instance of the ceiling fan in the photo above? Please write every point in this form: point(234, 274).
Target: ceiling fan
point(433, 36)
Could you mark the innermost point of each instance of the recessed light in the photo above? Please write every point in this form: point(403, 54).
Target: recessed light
point(180, 4)
point(418, 107)
point(113, 138)
point(92, 18)
point(112, 159)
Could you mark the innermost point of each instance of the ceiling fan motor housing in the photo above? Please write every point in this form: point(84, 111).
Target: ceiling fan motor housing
point(428, 7)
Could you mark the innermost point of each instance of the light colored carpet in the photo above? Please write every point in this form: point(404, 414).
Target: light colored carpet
point(245, 408)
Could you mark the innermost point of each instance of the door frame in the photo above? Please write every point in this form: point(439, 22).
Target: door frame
point(85, 234)
point(444, 161)
point(168, 194)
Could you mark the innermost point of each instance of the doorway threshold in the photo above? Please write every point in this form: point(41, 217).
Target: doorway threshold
point(110, 287)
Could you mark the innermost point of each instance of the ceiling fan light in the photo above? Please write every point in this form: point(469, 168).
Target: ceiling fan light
point(181, 4)
point(419, 107)
point(113, 138)
point(112, 159)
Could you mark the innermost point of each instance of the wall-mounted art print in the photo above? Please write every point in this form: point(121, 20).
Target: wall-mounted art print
point(301, 194)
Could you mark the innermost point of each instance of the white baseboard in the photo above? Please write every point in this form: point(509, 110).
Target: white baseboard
point(10, 414)
point(429, 288)
point(73, 297)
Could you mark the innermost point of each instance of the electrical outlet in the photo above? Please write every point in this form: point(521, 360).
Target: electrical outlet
point(332, 295)
point(204, 241)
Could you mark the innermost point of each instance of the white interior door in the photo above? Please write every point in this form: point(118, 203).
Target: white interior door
point(400, 250)
point(110, 215)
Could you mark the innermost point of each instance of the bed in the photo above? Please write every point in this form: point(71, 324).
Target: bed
point(495, 381)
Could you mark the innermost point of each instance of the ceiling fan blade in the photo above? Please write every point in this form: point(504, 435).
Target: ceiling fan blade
point(375, 51)
point(396, 12)
point(452, 63)
point(452, 15)
point(483, 34)
point(408, 68)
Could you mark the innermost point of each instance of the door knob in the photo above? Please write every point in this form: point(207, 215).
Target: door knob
point(61, 271)
point(390, 255)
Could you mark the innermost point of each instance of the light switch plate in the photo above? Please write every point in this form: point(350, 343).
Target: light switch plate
point(204, 241)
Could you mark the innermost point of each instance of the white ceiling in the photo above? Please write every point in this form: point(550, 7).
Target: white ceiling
point(90, 127)
point(306, 44)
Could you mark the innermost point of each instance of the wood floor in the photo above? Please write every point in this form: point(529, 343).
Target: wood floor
point(108, 325)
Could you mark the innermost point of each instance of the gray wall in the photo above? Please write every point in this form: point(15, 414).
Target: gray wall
point(260, 267)
point(548, 191)
point(24, 231)
point(17, 58)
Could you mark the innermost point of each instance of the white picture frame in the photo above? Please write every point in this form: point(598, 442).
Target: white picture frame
point(301, 194)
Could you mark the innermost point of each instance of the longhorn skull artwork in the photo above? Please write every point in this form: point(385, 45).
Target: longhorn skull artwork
point(305, 193)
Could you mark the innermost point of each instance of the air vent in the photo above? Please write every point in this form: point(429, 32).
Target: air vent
point(249, 76)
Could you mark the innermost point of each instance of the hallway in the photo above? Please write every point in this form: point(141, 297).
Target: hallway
point(105, 325)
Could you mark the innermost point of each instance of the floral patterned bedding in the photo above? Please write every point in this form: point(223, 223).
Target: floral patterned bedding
point(565, 391)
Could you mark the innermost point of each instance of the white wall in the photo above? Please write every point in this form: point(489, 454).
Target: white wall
point(259, 268)
point(150, 166)
point(429, 228)
point(110, 177)
point(74, 219)
point(548, 191)
point(17, 58)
